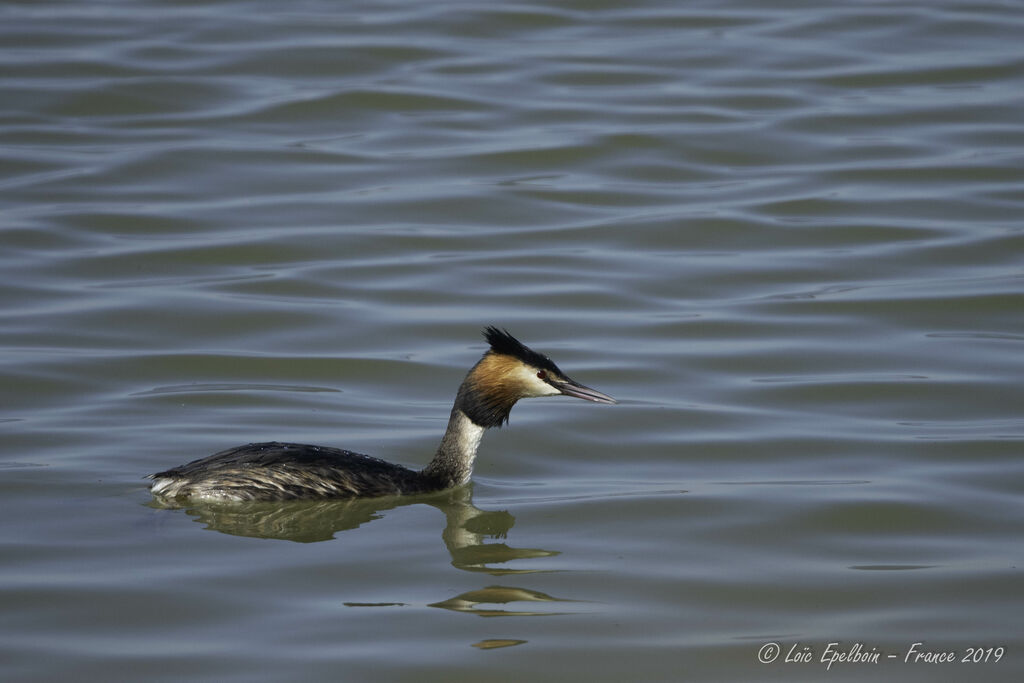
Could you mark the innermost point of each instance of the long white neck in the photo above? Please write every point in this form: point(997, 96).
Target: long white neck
point(479, 405)
point(453, 463)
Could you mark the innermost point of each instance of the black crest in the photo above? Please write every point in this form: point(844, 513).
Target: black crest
point(504, 343)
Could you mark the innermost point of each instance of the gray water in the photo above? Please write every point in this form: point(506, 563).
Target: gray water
point(788, 237)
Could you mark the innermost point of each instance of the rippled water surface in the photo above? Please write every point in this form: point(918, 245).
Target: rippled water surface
point(789, 237)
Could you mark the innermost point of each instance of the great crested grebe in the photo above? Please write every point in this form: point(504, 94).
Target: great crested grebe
point(508, 371)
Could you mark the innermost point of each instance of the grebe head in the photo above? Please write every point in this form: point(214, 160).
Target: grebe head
point(509, 371)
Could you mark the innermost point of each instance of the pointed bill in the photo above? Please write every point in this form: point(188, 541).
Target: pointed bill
point(577, 390)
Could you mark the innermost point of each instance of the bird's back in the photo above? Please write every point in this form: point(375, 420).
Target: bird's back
point(285, 471)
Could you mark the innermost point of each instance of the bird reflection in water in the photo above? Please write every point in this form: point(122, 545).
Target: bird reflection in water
point(466, 532)
point(467, 527)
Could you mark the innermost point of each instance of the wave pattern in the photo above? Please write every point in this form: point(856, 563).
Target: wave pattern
point(788, 237)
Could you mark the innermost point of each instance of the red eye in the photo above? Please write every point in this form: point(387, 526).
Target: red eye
point(541, 374)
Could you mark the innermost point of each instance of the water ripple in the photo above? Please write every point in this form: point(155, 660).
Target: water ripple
point(787, 236)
